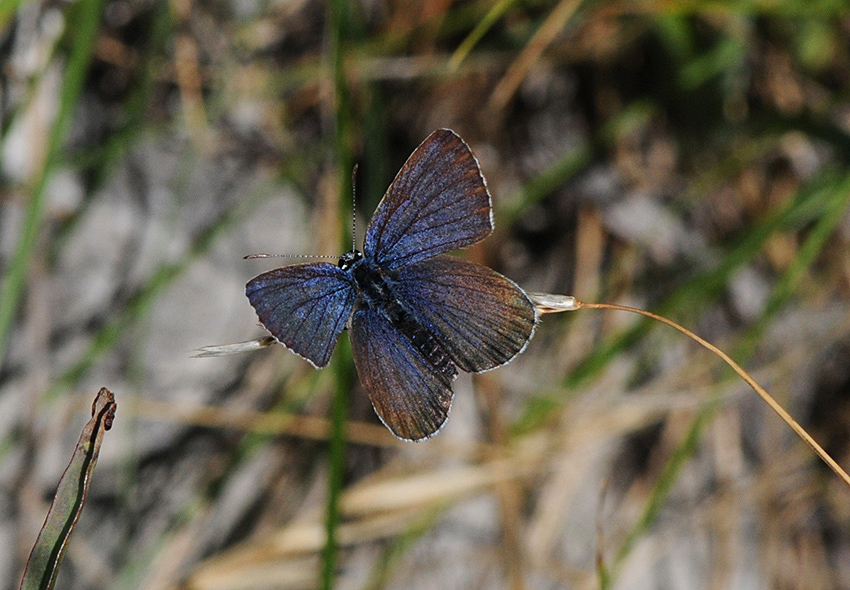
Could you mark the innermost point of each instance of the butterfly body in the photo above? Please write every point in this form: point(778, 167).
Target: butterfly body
point(375, 291)
point(414, 315)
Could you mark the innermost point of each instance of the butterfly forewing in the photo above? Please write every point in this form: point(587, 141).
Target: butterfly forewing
point(411, 397)
point(483, 318)
point(304, 306)
point(415, 317)
point(437, 202)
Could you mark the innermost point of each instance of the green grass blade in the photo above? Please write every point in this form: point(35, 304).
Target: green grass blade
point(484, 25)
point(663, 486)
point(339, 17)
point(547, 182)
point(140, 303)
point(397, 548)
point(8, 8)
point(49, 549)
point(835, 205)
point(83, 28)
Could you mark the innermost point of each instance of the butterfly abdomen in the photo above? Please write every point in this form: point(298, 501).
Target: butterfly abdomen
point(376, 292)
point(421, 338)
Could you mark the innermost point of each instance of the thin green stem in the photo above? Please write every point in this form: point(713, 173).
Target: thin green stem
point(338, 17)
point(484, 25)
point(83, 30)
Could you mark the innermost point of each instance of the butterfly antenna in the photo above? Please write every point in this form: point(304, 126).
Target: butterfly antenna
point(264, 255)
point(353, 229)
point(354, 208)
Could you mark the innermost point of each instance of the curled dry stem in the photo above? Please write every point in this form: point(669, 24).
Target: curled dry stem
point(547, 303)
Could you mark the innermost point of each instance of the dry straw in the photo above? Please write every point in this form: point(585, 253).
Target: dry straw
point(547, 303)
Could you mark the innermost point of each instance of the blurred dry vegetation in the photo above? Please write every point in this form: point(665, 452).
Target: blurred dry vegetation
point(690, 158)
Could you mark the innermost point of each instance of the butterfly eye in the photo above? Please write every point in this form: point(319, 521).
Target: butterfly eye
point(348, 259)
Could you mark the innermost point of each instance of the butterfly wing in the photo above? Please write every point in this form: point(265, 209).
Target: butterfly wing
point(437, 202)
point(304, 306)
point(409, 395)
point(485, 319)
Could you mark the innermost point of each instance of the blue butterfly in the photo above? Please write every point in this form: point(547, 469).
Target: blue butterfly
point(414, 315)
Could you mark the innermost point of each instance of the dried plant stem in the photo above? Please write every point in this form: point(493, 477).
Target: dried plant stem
point(801, 432)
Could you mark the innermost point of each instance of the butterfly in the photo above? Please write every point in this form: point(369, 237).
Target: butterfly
point(414, 315)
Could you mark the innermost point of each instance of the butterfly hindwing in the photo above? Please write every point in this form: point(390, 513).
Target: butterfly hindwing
point(411, 397)
point(437, 202)
point(414, 316)
point(304, 306)
point(483, 318)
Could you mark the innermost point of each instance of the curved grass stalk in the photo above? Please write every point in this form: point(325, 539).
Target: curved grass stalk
point(554, 303)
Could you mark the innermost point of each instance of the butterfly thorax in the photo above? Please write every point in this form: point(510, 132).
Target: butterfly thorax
point(375, 291)
point(347, 260)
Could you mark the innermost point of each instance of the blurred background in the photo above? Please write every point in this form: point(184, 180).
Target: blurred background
point(689, 158)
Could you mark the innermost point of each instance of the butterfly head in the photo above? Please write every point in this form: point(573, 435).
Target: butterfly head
point(348, 259)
